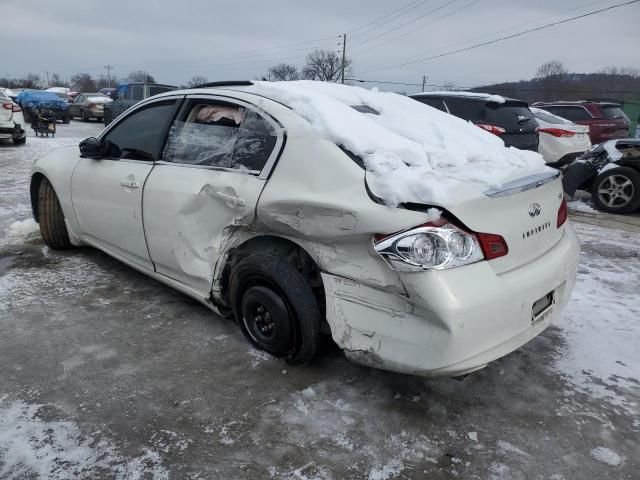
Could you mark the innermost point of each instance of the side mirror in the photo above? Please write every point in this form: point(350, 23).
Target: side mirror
point(91, 148)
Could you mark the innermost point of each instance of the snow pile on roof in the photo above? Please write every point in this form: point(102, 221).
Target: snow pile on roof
point(485, 96)
point(415, 153)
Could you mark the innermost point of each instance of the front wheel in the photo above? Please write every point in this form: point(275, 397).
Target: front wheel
point(617, 190)
point(275, 307)
point(83, 115)
point(51, 218)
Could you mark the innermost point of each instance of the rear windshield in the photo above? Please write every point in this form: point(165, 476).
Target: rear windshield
point(506, 115)
point(550, 118)
point(613, 111)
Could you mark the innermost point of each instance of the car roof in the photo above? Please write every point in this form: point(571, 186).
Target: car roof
point(576, 103)
point(477, 96)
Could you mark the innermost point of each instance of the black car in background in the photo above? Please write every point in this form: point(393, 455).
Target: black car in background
point(32, 100)
point(128, 94)
point(507, 118)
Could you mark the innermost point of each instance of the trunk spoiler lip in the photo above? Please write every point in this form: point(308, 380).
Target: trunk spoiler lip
point(523, 184)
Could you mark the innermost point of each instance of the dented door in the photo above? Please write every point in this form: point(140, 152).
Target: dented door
point(213, 169)
point(189, 213)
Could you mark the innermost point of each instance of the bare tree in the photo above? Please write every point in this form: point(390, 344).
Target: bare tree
point(103, 82)
point(197, 80)
point(140, 76)
point(83, 82)
point(283, 72)
point(57, 81)
point(552, 75)
point(325, 65)
point(449, 86)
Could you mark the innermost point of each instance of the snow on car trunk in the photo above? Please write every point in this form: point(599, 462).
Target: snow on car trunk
point(413, 152)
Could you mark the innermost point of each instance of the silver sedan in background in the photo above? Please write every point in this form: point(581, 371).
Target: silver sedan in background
point(89, 105)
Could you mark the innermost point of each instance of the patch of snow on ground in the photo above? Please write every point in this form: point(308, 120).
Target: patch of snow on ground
point(392, 469)
point(605, 455)
point(507, 447)
point(473, 436)
point(581, 206)
point(32, 447)
point(413, 152)
point(23, 230)
point(600, 323)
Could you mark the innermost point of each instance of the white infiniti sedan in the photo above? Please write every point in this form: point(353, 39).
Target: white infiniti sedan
point(417, 241)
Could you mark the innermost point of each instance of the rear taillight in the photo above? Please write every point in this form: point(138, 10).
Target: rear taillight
point(91, 105)
point(437, 246)
point(7, 105)
point(557, 132)
point(493, 246)
point(562, 213)
point(491, 128)
point(16, 108)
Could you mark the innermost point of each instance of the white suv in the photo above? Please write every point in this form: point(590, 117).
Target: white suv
point(11, 121)
point(303, 209)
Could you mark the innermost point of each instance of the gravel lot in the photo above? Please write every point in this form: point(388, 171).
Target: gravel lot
point(108, 374)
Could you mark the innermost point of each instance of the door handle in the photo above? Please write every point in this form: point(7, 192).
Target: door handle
point(129, 183)
point(235, 201)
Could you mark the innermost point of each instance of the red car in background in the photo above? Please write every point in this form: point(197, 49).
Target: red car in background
point(606, 120)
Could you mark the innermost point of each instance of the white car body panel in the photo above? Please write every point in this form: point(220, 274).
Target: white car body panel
point(186, 220)
point(9, 119)
point(107, 202)
point(553, 148)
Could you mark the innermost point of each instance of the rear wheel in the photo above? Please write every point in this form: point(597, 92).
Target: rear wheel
point(66, 119)
point(20, 140)
point(617, 190)
point(27, 116)
point(275, 307)
point(52, 227)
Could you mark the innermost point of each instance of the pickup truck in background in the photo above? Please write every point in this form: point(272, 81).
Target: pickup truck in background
point(128, 94)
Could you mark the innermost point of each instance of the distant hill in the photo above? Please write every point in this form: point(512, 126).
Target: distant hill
point(570, 86)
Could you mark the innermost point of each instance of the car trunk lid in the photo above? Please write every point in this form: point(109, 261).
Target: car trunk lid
point(524, 212)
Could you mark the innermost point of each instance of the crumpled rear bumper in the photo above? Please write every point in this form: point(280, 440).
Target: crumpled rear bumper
point(452, 322)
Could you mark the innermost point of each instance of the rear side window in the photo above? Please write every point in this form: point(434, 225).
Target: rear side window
point(550, 118)
point(155, 90)
point(137, 92)
point(472, 110)
point(221, 135)
point(140, 135)
point(575, 114)
point(508, 115)
point(613, 112)
point(433, 102)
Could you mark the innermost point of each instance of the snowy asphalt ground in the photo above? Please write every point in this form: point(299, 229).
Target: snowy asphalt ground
point(105, 373)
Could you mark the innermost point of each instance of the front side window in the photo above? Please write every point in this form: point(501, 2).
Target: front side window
point(221, 135)
point(140, 135)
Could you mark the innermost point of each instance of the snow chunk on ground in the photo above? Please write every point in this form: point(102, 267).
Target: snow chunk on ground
point(473, 436)
point(604, 455)
point(22, 230)
point(412, 152)
point(581, 207)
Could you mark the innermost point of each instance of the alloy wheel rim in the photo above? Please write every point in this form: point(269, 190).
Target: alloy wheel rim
point(616, 190)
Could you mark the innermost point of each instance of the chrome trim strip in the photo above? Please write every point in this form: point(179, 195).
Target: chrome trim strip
point(523, 184)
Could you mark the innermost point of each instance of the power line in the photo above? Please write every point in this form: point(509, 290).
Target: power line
point(406, 23)
point(490, 42)
point(386, 42)
point(393, 13)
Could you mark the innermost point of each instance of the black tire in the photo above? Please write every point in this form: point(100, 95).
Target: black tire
point(106, 119)
point(83, 115)
point(66, 119)
point(51, 219)
point(20, 140)
point(263, 284)
point(617, 190)
point(27, 116)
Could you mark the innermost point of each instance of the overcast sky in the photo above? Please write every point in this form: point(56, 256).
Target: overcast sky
point(230, 40)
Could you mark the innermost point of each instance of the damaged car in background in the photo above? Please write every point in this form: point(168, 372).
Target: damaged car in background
point(415, 240)
point(610, 171)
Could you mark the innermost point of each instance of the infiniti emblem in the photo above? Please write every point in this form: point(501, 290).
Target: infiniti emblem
point(534, 209)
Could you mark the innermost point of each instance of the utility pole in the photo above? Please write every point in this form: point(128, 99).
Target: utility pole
point(108, 67)
point(424, 80)
point(47, 72)
point(344, 54)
